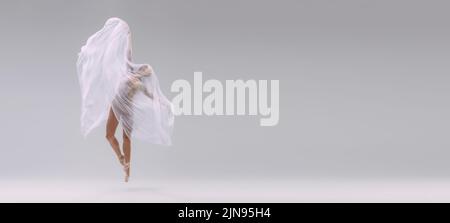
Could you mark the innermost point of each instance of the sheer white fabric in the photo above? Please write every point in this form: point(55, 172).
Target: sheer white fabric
point(109, 79)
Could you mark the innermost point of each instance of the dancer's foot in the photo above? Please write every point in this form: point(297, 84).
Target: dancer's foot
point(126, 169)
point(122, 160)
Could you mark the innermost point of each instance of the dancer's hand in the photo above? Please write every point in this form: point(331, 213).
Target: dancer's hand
point(148, 94)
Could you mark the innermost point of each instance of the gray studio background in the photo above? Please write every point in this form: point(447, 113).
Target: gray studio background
point(364, 87)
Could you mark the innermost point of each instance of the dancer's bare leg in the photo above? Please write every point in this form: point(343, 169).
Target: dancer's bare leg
point(127, 153)
point(111, 127)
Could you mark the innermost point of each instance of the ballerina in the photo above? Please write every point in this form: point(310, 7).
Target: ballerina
point(116, 90)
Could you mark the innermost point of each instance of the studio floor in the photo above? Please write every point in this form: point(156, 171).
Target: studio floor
point(225, 190)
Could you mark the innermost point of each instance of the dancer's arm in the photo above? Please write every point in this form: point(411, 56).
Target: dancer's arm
point(138, 85)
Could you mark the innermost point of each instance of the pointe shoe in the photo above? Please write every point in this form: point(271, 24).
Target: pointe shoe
point(126, 168)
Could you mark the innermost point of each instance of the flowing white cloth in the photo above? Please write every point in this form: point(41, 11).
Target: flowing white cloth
point(109, 79)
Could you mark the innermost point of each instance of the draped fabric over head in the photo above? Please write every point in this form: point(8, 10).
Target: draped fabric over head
point(109, 79)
